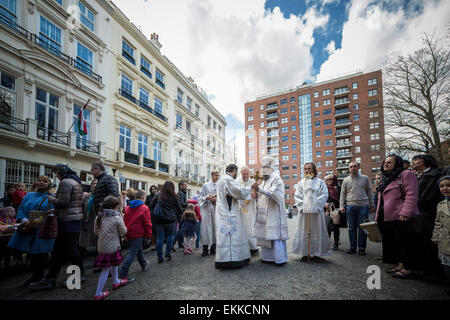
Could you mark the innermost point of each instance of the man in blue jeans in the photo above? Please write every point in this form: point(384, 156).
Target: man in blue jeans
point(356, 198)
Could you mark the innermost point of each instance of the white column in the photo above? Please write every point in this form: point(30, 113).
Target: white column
point(2, 176)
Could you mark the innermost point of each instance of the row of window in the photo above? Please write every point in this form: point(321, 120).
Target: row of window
point(144, 94)
point(125, 143)
point(326, 92)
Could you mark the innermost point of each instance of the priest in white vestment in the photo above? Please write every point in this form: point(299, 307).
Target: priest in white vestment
point(207, 202)
point(248, 208)
point(232, 249)
point(311, 240)
point(271, 227)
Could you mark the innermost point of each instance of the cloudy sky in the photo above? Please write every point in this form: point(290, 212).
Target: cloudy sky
point(237, 50)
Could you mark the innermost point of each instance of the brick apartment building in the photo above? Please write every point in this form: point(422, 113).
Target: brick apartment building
point(330, 123)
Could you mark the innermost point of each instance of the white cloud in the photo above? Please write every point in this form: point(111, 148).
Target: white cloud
point(331, 47)
point(371, 34)
point(233, 49)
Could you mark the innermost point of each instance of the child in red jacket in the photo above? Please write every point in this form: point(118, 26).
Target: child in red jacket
point(139, 227)
point(194, 201)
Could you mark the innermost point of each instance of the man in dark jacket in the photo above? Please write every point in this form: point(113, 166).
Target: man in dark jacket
point(106, 186)
point(428, 173)
point(182, 200)
point(68, 204)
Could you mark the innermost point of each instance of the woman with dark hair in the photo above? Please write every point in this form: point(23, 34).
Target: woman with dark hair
point(148, 200)
point(397, 204)
point(165, 225)
point(428, 173)
point(333, 199)
point(311, 239)
point(26, 239)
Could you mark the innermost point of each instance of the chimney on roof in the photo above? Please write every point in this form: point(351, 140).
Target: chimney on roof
point(154, 39)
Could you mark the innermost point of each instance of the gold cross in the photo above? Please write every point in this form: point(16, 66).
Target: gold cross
point(257, 176)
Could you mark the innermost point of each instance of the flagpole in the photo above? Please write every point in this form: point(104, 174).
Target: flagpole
point(84, 107)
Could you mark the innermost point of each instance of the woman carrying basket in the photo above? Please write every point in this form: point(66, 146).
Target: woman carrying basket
point(397, 204)
point(27, 239)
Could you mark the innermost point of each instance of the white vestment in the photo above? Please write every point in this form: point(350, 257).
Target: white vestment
point(271, 223)
point(207, 209)
point(310, 197)
point(232, 242)
point(248, 208)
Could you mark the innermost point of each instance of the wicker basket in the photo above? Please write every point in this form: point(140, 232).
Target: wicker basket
point(373, 232)
point(37, 217)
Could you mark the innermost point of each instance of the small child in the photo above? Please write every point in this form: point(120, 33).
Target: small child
point(18, 195)
point(109, 227)
point(139, 227)
point(188, 227)
point(441, 232)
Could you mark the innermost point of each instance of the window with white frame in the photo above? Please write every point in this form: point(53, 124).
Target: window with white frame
point(358, 149)
point(375, 147)
point(250, 127)
point(316, 104)
point(128, 51)
point(46, 113)
point(261, 115)
point(356, 128)
point(157, 150)
point(285, 158)
point(251, 144)
point(87, 17)
point(251, 161)
point(375, 158)
point(374, 136)
point(374, 125)
point(373, 92)
point(355, 96)
point(357, 138)
point(125, 138)
point(261, 125)
point(329, 163)
point(356, 106)
point(316, 94)
point(127, 84)
point(179, 95)
point(143, 145)
point(50, 36)
point(8, 8)
point(284, 120)
point(372, 81)
point(373, 114)
point(326, 102)
point(82, 140)
point(197, 110)
point(84, 60)
point(159, 78)
point(158, 105)
point(355, 85)
point(251, 135)
point(189, 103)
point(8, 95)
point(143, 96)
point(145, 67)
point(250, 118)
point(326, 92)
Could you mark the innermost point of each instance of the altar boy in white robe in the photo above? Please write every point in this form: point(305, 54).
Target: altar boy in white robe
point(271, 224)
point(248, 208)
point(207, 202)
point(311, 239)
point(232, 250)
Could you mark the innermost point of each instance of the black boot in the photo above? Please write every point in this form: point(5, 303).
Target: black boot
point(205, 251)
point(212, 251)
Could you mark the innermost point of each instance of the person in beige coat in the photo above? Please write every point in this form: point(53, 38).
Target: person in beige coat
point(109, 227)
point(441, 232)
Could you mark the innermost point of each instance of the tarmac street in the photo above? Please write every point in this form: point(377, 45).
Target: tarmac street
point(192, 277)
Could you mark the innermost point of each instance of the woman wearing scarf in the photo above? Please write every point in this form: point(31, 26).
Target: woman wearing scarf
point(87, 235)
point(68, 204)
point(27, 239)
point(333, 198)
point(398, 193)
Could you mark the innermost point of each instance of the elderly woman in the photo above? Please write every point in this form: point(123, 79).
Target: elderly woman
point(87, 235)
point(397, 204)
point(311, 238)
point(68, 205)
point(27, 240)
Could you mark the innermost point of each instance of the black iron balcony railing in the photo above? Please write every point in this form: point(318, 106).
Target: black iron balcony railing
point(89, 146)
point(46, 45)
point(53, 136)
point(126, 94)
point(13, 124)
point(163, 167)
point(149, 163)
point(131, 158)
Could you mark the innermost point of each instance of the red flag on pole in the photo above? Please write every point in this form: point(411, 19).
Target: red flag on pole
point(82, 127)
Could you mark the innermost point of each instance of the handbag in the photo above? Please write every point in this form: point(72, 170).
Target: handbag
point(158, 211)
point(37, 217)
point(335, 214)
point(49, 228)
point(372, 231)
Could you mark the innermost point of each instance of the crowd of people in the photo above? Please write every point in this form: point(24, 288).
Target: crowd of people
point(232, 219)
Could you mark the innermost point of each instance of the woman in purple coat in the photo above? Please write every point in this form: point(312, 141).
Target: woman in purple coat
point(398, 193)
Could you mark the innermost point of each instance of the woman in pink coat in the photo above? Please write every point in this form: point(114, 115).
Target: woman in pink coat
point(398, 194)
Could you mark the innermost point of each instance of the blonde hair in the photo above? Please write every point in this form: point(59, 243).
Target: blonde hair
point(189, 212)
point(21, 185)
point(130, 192)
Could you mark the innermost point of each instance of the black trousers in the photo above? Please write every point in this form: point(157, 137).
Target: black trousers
point(64, 250)
point(336, 232)
point(38, 262)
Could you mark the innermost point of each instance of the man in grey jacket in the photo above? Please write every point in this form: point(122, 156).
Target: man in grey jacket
point(356, 197)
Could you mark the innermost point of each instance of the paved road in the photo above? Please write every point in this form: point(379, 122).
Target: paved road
point(194, 277)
